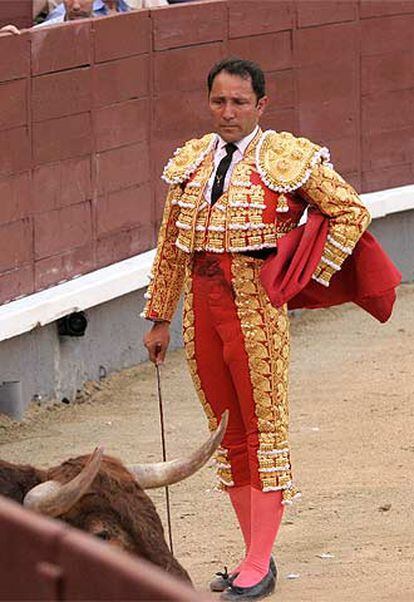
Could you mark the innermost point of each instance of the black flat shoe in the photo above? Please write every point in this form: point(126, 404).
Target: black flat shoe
point(264, 588)
point(273, 567)
point(223, 580)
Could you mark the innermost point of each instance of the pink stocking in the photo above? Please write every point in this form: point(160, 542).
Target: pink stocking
point(266, 516)
point(240, 498)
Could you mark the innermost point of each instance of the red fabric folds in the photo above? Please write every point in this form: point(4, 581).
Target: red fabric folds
point(368, 277)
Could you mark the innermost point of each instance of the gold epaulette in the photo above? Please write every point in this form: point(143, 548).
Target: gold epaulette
point(187, 158)
point(285, 162)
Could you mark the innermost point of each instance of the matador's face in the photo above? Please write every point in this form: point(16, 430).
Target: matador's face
point(234, 106)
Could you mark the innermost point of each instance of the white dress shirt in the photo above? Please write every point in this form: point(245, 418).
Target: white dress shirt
point(220, 153)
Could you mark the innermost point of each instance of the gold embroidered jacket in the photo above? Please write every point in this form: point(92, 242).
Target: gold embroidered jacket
point(268, 192)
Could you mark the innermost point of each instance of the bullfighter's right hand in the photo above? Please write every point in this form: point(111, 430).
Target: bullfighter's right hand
point(156, 341)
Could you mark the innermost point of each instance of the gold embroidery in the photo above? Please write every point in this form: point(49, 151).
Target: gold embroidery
point(285, 162)
point(241, 174)
point(192, 221)
point(200, 234)
point(236, 222)
point(168, 269)
point(223, 467)
point(349, 218)
point(257, 195)
point(282, 204)
point(266, 336)
point(221, 459)
point(186, 159)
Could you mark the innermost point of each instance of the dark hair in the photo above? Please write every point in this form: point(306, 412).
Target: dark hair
point(242, 68)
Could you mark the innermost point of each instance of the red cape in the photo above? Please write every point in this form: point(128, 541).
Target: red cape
point(368, 277)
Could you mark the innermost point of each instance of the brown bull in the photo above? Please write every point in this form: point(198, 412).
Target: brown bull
point(101, 496)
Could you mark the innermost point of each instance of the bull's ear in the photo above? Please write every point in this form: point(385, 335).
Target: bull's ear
point(161, 474)
point(54, 499)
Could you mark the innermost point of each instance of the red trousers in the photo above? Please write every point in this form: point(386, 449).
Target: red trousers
point(237, 347)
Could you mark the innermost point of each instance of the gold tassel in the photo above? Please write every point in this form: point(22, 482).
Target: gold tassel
point(282, 204)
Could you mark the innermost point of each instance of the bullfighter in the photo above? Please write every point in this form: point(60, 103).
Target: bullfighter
point(233, 195)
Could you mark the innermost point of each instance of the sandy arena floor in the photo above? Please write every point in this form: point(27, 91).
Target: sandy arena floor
point(352, 433)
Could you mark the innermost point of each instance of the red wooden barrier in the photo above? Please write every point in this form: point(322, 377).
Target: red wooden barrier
point(44, 559)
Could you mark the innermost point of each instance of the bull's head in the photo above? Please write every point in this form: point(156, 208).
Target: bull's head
point(103, 497)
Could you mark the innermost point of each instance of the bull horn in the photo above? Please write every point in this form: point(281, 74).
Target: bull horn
point(161, 474)
point(54, 499)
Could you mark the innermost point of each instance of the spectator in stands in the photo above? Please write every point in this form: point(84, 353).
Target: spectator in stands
point(70, 10)
point(109, 7)
point(41, 8)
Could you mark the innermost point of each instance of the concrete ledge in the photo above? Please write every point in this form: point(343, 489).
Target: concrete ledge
point(78, 294)
point(392, 200)
point(119, 279)
point(50, 366)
